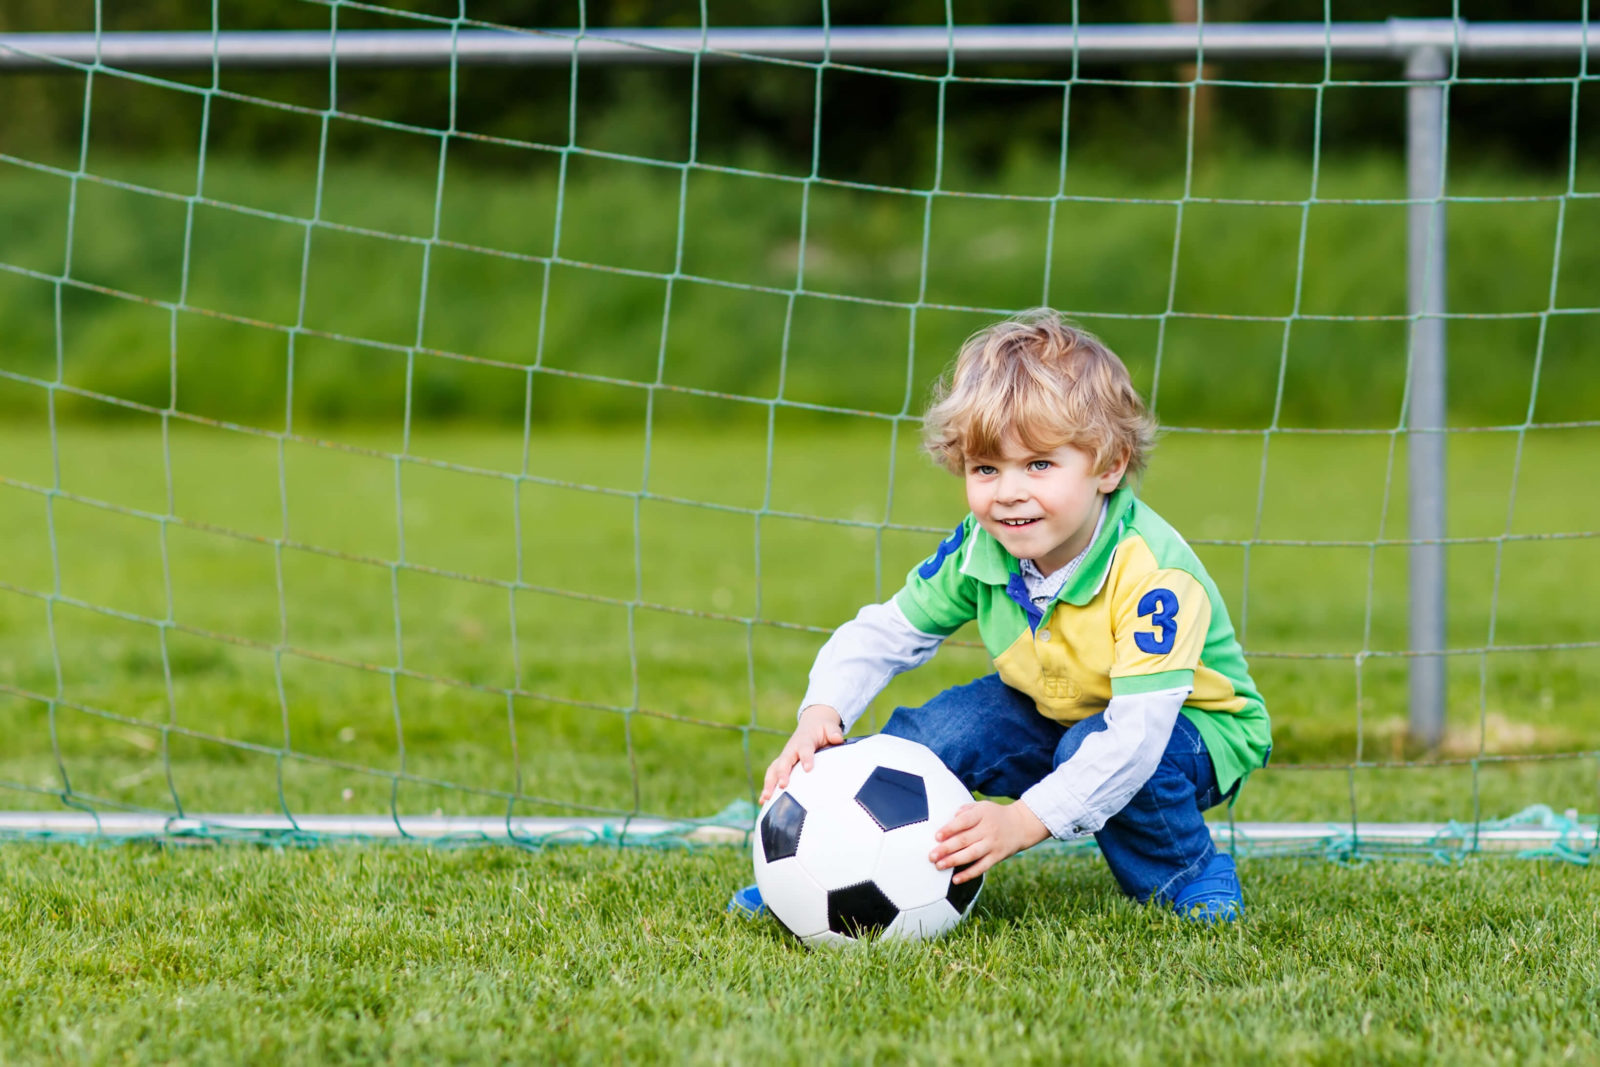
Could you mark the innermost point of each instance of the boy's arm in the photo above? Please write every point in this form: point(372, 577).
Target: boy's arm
point(1109, 767)
point(1074, 799)
point(862, 656)
point(853, 667)
point(1159, 623)
point(880, 642)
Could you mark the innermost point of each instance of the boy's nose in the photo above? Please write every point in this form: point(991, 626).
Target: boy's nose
point(1013, 488)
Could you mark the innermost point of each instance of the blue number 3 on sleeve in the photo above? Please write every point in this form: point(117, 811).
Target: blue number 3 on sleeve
point(947, 547)
point(1162, 607)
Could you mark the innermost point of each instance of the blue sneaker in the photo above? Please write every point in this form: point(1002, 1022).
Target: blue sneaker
point(747, 903)
point(1215, 896)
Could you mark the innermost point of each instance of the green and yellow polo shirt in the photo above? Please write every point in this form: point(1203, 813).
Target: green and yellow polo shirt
point(1140, 614)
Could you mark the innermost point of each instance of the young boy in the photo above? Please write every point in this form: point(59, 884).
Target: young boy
point(1120, 705)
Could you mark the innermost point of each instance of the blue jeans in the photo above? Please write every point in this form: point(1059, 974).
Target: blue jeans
point(998, 744)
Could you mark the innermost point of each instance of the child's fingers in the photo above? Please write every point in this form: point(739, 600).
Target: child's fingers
point(965, 818)
point(970, 854)
point(808, 750)
point(967, 874)
point(953, 844)
point(769, 784)
point(785, 764)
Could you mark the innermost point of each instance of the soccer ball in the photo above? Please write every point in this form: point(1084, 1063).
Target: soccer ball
point(842, 853)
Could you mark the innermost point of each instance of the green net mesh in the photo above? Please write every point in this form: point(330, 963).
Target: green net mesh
point(512, 463)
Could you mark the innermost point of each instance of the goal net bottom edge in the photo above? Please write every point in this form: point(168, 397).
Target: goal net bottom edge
point(1537, 828)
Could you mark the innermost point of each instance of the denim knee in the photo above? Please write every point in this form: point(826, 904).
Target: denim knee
point(991, 736)
point(1159, 841)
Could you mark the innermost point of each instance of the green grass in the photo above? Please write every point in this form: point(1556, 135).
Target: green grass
point(694, 680)
point(1110, 263)
point(149, 954)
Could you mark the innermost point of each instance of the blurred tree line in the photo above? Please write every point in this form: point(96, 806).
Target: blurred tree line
point(763, 114)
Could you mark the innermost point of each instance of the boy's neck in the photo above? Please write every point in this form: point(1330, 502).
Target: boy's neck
point(1078, 550)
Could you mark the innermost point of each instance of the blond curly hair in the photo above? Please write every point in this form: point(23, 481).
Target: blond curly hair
point(1041, 382)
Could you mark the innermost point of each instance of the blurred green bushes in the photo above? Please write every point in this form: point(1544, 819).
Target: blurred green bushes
point(617, 317)
point(632, 304)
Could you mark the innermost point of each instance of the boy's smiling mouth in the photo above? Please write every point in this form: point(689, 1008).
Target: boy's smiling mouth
point(1017, 522)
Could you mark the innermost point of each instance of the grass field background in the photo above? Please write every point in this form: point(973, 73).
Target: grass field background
point(614, 614)
point(648, 670)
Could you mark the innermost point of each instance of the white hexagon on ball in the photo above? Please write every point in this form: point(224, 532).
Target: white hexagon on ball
point(828, 778)
point(847, 853)
point(796, 895)
point(842, 852)
point(930, 920)
point(904, 872)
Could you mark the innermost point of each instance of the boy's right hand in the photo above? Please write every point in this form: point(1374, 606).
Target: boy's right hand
point(819, 727)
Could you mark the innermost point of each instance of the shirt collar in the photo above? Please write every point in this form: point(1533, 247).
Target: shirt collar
point(1091, 573)
point(1042, 586)
point(989, 562)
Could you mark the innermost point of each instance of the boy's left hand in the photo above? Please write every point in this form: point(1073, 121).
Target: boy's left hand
point(983, 834)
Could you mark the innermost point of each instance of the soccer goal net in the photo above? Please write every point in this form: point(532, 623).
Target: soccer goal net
point(415, 424)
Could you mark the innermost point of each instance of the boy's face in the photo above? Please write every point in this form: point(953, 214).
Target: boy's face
point(1039, 505)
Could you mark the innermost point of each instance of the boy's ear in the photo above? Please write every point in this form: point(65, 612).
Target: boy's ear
point(1111, 477)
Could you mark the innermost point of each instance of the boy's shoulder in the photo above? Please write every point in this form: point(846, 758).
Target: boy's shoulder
point(968, 554)
point(1168, 549)
point(1149, 553)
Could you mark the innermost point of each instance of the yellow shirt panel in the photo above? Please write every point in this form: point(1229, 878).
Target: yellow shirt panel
point(1068, 663)
point(1160, 616)
point(1213, 692)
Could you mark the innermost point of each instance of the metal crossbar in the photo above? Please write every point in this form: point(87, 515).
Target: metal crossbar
point(1395, 41)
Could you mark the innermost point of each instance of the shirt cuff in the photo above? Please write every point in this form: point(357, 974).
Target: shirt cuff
point(1063, 814)
point(842, 702)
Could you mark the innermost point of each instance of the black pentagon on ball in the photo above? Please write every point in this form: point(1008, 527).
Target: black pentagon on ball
point(960, 894)
point(859, 910)
point(780, 828)
point(894, 798)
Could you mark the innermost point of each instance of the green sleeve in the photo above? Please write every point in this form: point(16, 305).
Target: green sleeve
point(937, 597)
point(1130, 685)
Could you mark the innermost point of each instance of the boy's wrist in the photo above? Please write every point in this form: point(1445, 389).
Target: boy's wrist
point(827, 714)
point(834, 701)
point(1029, 826)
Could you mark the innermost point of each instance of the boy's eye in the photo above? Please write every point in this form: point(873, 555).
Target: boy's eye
point(983, 469)
point(1039, 465)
